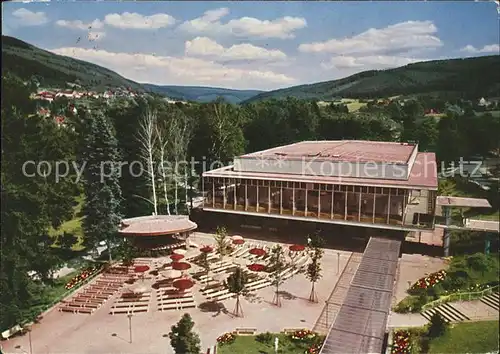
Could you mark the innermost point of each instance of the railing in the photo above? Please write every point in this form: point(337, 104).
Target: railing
point(460, 297)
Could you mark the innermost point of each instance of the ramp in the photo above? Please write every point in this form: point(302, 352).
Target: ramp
point(360, 325)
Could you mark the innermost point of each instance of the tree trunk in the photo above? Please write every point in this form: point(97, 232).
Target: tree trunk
point(312, 296)
point(109, 250)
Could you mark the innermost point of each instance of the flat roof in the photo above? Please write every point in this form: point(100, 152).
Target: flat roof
point(342, 151)
point(484, 225)
point(463, 202)
point(423, 175)
point(156, 225)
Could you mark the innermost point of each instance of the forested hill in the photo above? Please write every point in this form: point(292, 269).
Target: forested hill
point(27, 62)
point(466, 78)
point(202, 94)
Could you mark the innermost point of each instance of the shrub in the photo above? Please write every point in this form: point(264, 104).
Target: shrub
point(264, 337)
point(412, 303)
point(226, 338)
point(437, 326)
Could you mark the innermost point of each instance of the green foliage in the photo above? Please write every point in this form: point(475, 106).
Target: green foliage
point(437, 326)
point(411, 303)
point(265, 337)
point(182, 338)
point(30, 204)
point(101, 182)
point(236, 281)
point(221, 241)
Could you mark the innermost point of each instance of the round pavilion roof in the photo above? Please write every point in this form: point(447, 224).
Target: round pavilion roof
point(156, 225)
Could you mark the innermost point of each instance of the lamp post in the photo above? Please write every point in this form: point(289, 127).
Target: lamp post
point(130, 327)
point(338, 263)
point(29, 338)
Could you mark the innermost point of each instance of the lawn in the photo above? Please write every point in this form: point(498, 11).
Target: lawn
point(473, 337)
point(249, 345)
point(73, 226)
point(353, 105)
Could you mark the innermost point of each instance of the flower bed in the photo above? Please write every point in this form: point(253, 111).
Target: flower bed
point(401, 343)
point(429, 281)
point(314, 349)
point(226, 338)
point(303, 335)
point(80, 278)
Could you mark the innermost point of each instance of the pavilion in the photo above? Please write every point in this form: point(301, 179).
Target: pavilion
point(157, 231)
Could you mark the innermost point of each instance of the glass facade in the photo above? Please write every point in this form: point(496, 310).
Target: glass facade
point(360, 204)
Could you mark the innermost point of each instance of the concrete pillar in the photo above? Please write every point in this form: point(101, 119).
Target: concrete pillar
point(373, 211)
point(345, 207)
point(213, 192)
point(446, 236)
point(359, 207)
point(388, 206)
point(319, 202)
point(293, 198)
point(224, 193)
point(281, 197)
point(246, 195)
point(333, 196)
point(269, 198)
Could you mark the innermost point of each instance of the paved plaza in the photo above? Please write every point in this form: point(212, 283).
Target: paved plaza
point(101, 332)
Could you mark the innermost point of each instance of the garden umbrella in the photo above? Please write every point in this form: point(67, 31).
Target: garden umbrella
point(139, 289)
point(181, 266)
point(176, 257)
point(141, 269)
point(255, 267)
point(183, 284)
point(238, 241)
point(236, 237)
point(257, 251)
point(180, 251)
point(297, 248)
point(206, 249)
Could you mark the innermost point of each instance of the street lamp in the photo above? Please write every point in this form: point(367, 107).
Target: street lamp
point(130, 326)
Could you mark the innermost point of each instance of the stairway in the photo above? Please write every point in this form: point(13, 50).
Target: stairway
point(447, 312)
point(492, 301)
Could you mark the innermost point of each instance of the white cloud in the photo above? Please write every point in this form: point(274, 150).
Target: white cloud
point(245, 26)
point(80, 25)
point(134, 20)
point(206, 47)
point(368, 62)
point(29, 18)
point(402, 36)
point(95, 36)
point(491, 48)
point(178, 70)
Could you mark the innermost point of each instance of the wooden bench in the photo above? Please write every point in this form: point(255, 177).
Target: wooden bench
point(175, 301)
point(249, 331)
point(76, 310)
point(130, 305)
point(217, 294)
point(223, 297)
point(259, 286)
point(128, 311)
point(11, 331)
point(177, 306)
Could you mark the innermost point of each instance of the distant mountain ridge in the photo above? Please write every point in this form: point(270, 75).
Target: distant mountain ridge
point(470, 77)
point(202, 94)
point(27, 61)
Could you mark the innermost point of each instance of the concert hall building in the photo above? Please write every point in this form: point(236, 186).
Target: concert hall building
point(384, 185)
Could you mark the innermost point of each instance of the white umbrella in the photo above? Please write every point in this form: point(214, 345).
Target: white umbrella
point(139, 289)
point(180, 251)
point(236, 237)
point(171, 274)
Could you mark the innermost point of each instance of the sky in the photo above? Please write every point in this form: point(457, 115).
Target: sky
point(253, 45)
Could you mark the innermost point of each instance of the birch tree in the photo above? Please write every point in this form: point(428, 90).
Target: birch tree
point(163, 135)
point(180, 133)
point(147, 139)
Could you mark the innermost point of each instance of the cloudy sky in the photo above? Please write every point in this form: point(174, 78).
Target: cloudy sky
point(247, 45)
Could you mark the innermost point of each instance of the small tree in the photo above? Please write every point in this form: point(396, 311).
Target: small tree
point(313, 272)
point(437, 326)
point(205, 264)
point(236, 285)
point(222, 242)
point(182, 337)
point(277, 264)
